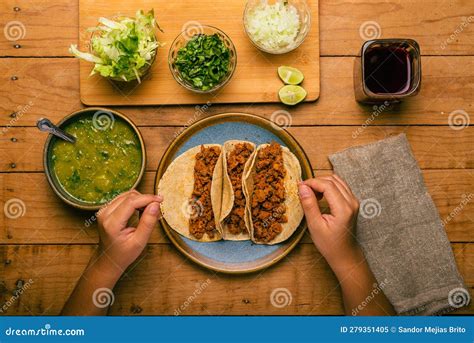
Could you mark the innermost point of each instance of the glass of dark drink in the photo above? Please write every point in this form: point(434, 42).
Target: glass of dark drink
point(387, 70)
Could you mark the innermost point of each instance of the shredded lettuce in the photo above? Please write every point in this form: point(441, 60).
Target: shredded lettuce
point(273, 26)
point(122, 49)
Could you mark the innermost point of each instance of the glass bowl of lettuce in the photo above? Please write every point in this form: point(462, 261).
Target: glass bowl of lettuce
point(122, 48)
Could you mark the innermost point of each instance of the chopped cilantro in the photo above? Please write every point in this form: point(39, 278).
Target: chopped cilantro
point(204, 61)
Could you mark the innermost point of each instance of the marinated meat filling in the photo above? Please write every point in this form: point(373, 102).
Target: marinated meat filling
point(268, 196)
point(236, 160)
point(202, 217)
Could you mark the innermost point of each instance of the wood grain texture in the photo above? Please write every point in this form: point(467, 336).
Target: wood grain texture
point(430, 22)
point(433, 146)
point(52, 88)
point(255, 78)
point(164, 282)
point(46, 28)
point(58, 223)
point(433, 23)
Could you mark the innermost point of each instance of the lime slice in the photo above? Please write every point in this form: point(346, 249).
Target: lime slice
point(291, 94)
point(290, 75)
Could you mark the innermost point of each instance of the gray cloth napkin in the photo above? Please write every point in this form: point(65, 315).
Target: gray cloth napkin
point(399, 228)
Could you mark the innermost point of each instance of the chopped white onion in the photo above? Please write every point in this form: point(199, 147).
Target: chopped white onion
point(273, 26)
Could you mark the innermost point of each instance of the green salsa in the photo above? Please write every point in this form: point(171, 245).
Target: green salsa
point(104, 161)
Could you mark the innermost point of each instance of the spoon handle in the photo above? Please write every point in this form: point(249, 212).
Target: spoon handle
point(47, 126)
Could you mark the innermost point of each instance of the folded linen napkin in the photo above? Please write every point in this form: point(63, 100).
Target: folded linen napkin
point(399, 228)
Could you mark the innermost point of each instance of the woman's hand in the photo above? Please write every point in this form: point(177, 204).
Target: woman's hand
point(120, 243)
point(333, 233)
point(334, 236)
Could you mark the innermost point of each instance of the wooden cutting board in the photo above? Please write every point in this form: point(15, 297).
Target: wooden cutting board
point(255, 78)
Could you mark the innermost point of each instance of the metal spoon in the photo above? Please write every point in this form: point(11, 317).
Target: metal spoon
point(45, 125)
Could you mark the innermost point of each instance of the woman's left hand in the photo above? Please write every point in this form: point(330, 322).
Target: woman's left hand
point(120, 243)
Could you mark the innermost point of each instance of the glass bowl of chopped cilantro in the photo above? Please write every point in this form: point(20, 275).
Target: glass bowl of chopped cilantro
point(202, 62)
point(122, 48)
point(277, 26)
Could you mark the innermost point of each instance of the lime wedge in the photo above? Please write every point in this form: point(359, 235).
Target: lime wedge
point(291, 94)
point(290, 75)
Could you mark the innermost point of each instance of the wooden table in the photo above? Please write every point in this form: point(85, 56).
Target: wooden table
point(51, 244)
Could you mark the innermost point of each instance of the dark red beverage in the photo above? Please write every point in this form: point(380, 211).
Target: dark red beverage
point(387, 70)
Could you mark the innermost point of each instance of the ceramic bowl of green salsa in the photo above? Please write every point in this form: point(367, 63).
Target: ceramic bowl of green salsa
point(107, 159)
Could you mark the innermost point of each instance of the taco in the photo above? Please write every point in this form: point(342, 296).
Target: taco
point(273, 210)
point(236, 158)
point(191, 188)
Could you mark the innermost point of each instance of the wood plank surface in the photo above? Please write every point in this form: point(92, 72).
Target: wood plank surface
point(432, 146)
point(50, 88)
point(438, 25)
point(162, 281)
point(58, 223)
point(38, 27)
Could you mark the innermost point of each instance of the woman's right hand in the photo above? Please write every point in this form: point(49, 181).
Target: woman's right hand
point(333, 233)
point(334, 236)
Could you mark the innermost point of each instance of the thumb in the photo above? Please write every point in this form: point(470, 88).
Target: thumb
point(147, 223)
point(310, 206)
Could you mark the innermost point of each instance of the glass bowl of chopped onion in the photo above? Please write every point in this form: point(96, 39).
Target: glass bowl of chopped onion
point(202, 58)
point(277, 26)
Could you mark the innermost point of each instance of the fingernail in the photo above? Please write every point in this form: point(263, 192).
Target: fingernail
point(154, 207)
point(159, 198)
point(304, 191)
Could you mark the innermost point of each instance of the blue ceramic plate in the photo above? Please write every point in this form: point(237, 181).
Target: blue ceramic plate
point(232, 256)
